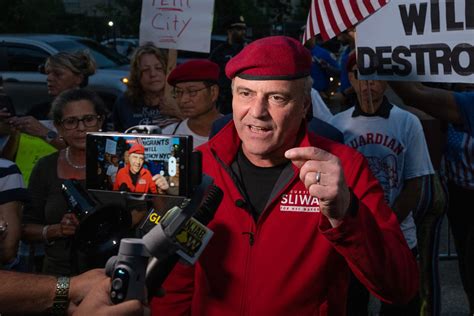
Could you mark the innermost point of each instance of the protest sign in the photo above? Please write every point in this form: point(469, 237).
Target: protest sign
point(419, 41)
point(30, 150)
point(177, 24)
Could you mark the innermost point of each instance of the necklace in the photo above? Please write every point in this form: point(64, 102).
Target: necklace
point(70, 162)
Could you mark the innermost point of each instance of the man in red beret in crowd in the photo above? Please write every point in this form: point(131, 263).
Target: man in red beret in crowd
point(299, 211)
point(134, 178)
point(196, 92)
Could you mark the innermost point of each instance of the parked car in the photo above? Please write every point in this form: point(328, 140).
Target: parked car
point(123, 46)
point(22, 54)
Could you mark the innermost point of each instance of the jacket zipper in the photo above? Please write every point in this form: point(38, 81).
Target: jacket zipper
point(248, 268)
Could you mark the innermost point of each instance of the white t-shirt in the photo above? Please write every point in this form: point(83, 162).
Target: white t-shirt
point(184, 129)
point(112, 172)
point(395, 148)
point(320, 109)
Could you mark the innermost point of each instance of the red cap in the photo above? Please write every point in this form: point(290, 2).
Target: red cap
point(194, 70)
point(271, 58)
point(137, 149)
point(351, 61)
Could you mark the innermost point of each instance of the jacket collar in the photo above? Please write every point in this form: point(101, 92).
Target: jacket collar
point(382, 111)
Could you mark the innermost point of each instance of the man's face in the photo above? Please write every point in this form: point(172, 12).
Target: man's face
point(195, 99)
point(369, 92)
point(237, 34)
point(136, 162)
point(267, 115)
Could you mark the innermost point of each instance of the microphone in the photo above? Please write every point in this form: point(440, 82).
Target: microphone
point(195, 238)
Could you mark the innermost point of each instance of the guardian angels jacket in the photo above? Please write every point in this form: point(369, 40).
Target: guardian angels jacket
point(291, 261)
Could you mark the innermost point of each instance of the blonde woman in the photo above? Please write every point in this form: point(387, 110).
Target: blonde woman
point(65, 70)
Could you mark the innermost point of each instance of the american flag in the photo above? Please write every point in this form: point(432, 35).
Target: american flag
point(331, 17)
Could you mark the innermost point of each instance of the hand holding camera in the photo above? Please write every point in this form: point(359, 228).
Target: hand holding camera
point(69, 225)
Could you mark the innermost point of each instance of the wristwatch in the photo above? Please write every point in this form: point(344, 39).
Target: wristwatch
point(61, 300)
point(50, 136)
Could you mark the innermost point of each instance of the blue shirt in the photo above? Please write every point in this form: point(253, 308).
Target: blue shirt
point(344, 79)
point(126, 114)
point(318, 73)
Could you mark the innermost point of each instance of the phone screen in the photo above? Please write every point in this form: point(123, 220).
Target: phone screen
point(139, 163)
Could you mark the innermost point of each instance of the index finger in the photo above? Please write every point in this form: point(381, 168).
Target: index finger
point(300, 155)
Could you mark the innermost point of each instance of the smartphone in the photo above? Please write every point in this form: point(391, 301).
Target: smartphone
point(133, 163)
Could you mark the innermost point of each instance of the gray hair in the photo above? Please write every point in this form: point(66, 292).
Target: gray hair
point(72, 95)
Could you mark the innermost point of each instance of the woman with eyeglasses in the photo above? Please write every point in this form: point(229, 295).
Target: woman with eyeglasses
point(144, 101)
point(46, 219)
point(64, 70)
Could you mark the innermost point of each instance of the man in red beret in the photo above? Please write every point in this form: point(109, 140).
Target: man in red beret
point(299, 211)
point(196, 92)
point(134, 178)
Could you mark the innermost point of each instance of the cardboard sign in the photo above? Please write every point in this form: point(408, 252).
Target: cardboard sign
point(177, 24)
point(418, 40)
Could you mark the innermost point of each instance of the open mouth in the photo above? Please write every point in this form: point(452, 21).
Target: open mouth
point(258, 129)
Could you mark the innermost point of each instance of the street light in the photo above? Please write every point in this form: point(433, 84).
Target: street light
point(111, 24)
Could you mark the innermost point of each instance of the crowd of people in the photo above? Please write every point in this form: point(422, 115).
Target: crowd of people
point(319, 202)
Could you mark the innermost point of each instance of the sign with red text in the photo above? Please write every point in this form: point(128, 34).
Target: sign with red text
point(418, 40)
point(177, 24)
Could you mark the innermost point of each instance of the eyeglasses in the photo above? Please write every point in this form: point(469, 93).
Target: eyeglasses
point(179, 93)
point(73, 122)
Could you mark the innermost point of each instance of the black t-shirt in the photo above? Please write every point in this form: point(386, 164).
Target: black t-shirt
point(257, 182)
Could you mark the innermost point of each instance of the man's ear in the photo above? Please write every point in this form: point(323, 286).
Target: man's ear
point(308, 108)
point(214, 93)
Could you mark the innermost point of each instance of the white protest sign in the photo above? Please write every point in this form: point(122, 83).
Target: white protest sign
point(157, 148)
point(110, 146)
point(419, 41)
point(177, 24)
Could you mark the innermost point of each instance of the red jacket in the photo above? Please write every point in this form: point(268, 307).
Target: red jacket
point(291, 261)
point(145, 183)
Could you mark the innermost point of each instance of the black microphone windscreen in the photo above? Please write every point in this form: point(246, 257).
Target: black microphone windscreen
point(209, 206)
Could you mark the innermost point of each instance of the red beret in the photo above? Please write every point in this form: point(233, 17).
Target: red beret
point(271, 58)
point(351, 61)
point(137, 149)
point(194, 70)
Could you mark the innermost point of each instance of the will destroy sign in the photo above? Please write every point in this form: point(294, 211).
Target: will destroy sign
point(418, 40)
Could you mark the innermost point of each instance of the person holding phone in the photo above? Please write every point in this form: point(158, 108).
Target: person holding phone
point(46, 217)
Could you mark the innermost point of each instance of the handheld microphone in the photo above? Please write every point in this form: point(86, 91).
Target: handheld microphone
point(195, 238)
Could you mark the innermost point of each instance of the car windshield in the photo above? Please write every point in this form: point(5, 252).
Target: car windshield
point(103, 56)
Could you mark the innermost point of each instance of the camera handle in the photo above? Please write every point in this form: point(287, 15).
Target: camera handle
point(128, 271)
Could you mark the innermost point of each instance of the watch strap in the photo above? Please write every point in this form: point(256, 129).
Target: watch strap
point(61, 299)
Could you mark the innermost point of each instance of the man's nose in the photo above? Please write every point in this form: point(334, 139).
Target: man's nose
point(259, 108)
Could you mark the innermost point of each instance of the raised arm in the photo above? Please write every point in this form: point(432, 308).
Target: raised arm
point(438, 103)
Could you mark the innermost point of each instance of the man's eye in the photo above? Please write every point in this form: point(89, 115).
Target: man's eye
point(244, 93)
point(278, 98)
